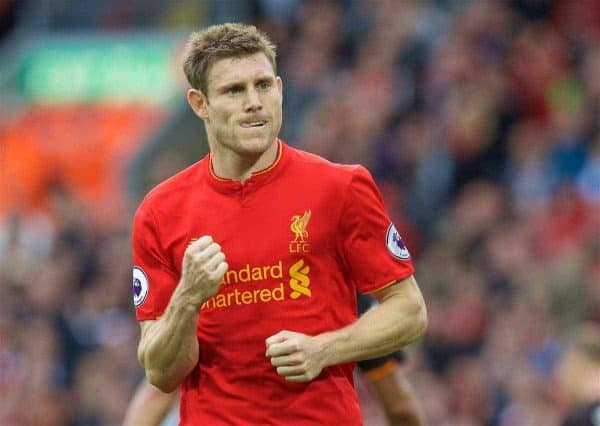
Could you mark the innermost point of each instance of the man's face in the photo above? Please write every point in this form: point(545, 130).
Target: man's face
point(242, 109)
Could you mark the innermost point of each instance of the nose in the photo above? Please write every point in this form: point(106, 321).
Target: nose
point(252, 102)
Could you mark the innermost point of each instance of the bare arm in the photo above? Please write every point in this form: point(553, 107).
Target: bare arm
point(398, 398)
point(168, 347)
point(149, 406)
point(399, 319)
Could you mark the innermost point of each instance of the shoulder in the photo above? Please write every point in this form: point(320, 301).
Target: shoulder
point(325, 170)
point(344, 183)
point(171, 192)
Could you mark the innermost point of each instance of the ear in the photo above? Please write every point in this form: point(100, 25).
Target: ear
point(198, 102)
point(279, 85)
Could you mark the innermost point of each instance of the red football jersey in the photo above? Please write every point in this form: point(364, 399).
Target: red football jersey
point(300, 237)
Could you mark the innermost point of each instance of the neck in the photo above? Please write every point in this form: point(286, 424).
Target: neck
point(230, 165)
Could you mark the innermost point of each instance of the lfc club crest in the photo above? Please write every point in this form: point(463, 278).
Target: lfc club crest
point(299, 224)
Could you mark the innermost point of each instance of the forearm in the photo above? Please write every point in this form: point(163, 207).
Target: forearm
point(399, 400)
point(169, 347)
point(398, 320)
point(149, 406)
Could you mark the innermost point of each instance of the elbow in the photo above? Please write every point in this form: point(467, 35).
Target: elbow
point(161, 382)
point(421, 320)
point(156, 376)
point(167, 375)
point(420, 314)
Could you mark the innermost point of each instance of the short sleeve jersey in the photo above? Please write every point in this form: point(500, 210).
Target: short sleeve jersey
point(300, 238)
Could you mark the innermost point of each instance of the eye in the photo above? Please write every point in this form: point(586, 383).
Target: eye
point(263, 85)
point(234, 90)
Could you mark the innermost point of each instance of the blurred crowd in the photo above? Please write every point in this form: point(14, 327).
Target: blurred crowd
point(480, 121)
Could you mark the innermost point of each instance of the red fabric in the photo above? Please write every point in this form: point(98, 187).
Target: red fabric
point(278, 279)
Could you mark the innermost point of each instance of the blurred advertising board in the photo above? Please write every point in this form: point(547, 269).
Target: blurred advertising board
point(122, 69)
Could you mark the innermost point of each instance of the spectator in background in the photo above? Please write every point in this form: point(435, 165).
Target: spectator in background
point(578, 375)
point(9, 17)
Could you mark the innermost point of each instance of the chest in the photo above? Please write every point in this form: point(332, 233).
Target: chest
point(284, 268)
point(259, 230)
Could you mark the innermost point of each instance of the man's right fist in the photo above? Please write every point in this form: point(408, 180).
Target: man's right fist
point(202, 270)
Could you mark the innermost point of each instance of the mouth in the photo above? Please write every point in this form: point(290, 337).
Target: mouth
point(253, 124)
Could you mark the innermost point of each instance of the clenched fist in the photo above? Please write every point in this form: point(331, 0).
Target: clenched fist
point(296, 356)
point(202, 271)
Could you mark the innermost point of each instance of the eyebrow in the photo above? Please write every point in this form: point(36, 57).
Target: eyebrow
point(240, 84)
point(230, 86)
point(266, 79)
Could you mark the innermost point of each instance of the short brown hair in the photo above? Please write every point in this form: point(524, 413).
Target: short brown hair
point(216, 42)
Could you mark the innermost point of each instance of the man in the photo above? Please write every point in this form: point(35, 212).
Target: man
point(268, 336)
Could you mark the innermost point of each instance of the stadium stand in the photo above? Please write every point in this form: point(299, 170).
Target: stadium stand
point(478, 118)
point(84, 148)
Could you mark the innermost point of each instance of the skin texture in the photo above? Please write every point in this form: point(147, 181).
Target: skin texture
point(149, 406)
point(168, 347)
point(243, 92)
point(240, 91)
point(399, 319)
point(398, 400)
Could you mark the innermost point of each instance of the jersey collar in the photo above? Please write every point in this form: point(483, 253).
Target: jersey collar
point(256, 178)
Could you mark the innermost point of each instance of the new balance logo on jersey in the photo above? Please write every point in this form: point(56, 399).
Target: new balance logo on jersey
point(299, 224)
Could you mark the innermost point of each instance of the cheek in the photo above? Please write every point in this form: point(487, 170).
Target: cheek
point(220, 118)
point(275, 104)
point(278, 113)
point(219, 110)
